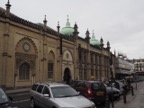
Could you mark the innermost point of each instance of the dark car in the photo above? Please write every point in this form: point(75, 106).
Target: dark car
point(5, 101)
point(93, 90)
point(113, 92)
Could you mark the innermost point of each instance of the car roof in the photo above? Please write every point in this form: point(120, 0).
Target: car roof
point(90, 81)
point(52, 84)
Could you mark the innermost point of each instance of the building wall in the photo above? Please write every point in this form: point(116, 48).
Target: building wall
point(31, 50)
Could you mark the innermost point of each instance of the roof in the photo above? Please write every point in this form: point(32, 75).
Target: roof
point(26, 22)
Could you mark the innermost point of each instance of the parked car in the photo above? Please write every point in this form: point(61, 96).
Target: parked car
point(5, 100)
point(118, 85)
point(113, 92)
point(57, 95)
point(93, 90)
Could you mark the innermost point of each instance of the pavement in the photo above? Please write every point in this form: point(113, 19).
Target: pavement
point(132, 101)
point(18, 90)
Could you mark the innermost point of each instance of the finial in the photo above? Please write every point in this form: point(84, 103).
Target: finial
point(75, 25)
point(8, 2)
point(58, 27)
point(108, 45)
point(45, 21)
point(101, 40)
point(45, 17)
point(67, 23)
point(87, 31)
point(93, 34)
point(8, 9)
point(114, 52)
point(68, 18)
point(87, 34)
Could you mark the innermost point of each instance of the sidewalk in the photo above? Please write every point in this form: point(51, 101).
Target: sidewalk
point(18, 90)
point(135, 101)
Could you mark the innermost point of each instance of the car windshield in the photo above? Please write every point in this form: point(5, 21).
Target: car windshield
point(98, 86)
point(3, 97)
point(63, 91)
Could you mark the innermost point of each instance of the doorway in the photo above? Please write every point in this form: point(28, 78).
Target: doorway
point(67, 75)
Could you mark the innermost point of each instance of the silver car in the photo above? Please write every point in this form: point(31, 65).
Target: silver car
point(57, 95)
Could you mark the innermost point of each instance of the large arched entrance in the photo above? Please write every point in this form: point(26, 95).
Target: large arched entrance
point(67, 75)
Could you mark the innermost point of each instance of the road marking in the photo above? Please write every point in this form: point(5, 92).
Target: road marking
point(19, 101)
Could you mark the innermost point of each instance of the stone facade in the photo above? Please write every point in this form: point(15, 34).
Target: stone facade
point(32, 52)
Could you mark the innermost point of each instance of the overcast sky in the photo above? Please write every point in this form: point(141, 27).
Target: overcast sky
point(121, 22)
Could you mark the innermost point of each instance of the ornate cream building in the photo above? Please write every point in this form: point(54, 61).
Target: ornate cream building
point(31, 52)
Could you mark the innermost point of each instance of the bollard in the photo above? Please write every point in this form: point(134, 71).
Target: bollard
point(132, 91)
point(112, 101)
point(124, 96)
point(107, 103)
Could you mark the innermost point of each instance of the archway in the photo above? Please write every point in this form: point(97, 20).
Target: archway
point(67, 75)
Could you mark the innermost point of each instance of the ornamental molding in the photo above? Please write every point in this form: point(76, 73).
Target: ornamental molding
point(19, 55)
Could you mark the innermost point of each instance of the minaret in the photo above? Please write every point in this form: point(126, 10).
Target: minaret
point(76, 31)
point(45, 23)
point(101, 42)
point(8, 9)
point(108, 45)
point(58, 27)
point(87, 36)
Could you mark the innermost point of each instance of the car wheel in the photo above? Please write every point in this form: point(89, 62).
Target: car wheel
point(32, 103)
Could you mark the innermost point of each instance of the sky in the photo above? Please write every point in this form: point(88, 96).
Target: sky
point(121, 22)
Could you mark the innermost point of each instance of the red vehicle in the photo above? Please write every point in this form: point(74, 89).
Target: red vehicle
point(93, 90)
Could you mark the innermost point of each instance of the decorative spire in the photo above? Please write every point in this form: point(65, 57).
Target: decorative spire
point(58, 27)
point(75, 33)
point(67, 18)
point(87, 36)
point(8, 8)
point(75, 27)
point(45, 21)
point(67, 23)
point(93, 36)
point(108, 45)
point(8, 4)
point(101, 42)
point(87, 33)
point(114, 52)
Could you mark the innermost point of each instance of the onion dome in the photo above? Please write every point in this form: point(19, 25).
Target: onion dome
point(67, 30)
point(94, 41)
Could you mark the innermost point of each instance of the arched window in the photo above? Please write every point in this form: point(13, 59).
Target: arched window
point(51, 58)
point(24, 71)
